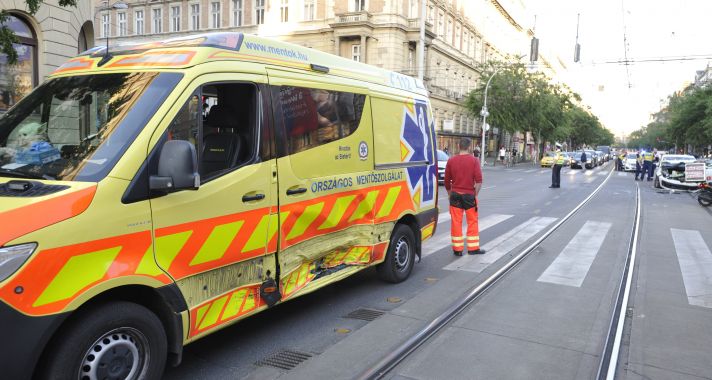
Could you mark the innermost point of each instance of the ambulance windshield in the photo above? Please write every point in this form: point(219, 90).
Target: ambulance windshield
point(76, 128)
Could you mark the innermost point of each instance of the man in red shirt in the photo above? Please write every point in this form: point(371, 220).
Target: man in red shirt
point(463, 181)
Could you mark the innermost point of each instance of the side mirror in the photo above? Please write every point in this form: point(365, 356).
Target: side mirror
point(177, 168)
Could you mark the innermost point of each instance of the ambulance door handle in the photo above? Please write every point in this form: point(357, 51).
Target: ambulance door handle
point(298, 190)
point(252, 198)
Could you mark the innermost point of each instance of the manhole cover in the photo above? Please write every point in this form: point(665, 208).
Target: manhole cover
point(285, 359)
point(365, 314)
point(393, 299)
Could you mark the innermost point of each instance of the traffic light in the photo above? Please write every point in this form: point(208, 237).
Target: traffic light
point(577, 52)
point(534, 50)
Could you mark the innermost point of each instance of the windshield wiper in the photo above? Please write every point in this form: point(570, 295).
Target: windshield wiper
point(19, 174)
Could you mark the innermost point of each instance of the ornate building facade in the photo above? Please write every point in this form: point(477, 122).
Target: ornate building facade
point(46, 40)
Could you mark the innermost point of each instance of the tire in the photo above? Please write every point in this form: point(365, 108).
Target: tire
point(400, 256)
point(105, 341)
point(703, 202)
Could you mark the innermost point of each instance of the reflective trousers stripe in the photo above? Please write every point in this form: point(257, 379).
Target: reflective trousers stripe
point(473, 232)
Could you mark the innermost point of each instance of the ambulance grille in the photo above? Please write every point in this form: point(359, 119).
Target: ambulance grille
point(285, 359)
point(365, 314)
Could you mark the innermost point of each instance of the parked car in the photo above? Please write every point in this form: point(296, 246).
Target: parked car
point(442, 161)
point(670, 172)
point(548, 159)
point(629, 162)
point(592, 158)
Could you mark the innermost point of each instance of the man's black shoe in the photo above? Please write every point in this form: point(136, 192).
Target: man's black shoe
point(476, 252)
point(457, 253)
point(552, 187)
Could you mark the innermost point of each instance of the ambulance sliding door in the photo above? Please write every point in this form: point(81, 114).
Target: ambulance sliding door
point(326, 210)
point(214, 241)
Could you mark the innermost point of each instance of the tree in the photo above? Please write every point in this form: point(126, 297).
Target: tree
point(522, 101)
point(7, 37)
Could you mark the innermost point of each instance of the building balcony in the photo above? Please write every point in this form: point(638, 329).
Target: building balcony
point(352, 18)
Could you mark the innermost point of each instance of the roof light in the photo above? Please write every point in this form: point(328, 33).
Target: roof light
point(319, 68)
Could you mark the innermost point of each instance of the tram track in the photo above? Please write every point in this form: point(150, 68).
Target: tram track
point(609, 354)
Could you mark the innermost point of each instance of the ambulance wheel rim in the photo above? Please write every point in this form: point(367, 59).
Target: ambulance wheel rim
point(119, 354)
point(402, 254)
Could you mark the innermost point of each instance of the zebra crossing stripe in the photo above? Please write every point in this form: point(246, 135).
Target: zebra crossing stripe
point(571, 266)
point(442, 239)
point(501, 245)
point(696, 266)
point(530, 171)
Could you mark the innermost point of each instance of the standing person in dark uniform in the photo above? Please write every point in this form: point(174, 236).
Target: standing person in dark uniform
point(463, 181)
point(647, 166)
point(556, 170)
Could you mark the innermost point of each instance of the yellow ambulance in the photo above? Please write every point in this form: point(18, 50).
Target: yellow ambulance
point(155, 193)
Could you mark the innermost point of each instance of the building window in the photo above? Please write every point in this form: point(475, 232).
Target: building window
point(441, 23)
point(356, 53)
point(215, 14)
point(175, 19)
point(357, 5)
point(465, 42)
point(431, 14)
point(138, 20)
point(259, 12)
point(194, 16)
point(411, 58)
point(21, 78)
point(157, 20)
point(472, 51)
point(105, 22)
point(237, 12)
point(449, 35)
point(413, 8)
point(309, 9)
point(458, 36)
point(284, 10)
point(123, 30)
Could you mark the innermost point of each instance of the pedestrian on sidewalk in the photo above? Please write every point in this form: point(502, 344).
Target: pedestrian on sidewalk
point(638, 166)
point(556, 170)
point(463, 181)
point(502, 153)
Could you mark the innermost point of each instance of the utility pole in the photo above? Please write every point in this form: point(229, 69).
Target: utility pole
point(421, 43)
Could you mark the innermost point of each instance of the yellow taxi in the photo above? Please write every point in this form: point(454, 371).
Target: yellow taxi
point(548, 160)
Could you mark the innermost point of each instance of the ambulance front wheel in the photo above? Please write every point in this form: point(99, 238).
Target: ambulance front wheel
point(119, 340)
point(400, 256)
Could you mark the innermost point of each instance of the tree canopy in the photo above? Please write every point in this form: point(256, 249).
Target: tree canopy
point(7, 37)
point(522, 101)
point(685, 122)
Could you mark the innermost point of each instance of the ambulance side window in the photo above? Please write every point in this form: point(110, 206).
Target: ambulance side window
point(313, 117)
point(220, 120)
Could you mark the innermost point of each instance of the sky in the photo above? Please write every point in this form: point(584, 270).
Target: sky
point(624, 99)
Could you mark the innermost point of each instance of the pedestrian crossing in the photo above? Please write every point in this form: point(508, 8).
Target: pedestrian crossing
point(573, 263)
point(696, 266)
point(501, 245)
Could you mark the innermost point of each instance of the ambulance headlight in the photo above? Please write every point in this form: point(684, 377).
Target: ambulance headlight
point(12, 258)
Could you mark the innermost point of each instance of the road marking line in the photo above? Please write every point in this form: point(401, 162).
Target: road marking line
point(696, 266)
point(530, 171)
point(573, 263)
point(488, 187)
point(518, 179)
point(435, 244)
point(623, 174)
point(501, 245)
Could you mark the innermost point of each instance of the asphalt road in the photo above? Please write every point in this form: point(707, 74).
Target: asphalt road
point(547, 319)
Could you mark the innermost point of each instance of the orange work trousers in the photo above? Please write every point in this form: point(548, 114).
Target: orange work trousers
point(473, 230)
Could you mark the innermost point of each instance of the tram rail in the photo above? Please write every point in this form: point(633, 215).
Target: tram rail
point(609, 355)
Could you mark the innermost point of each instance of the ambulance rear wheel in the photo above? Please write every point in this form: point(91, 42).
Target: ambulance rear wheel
point(400, 256)
point(120, 340)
